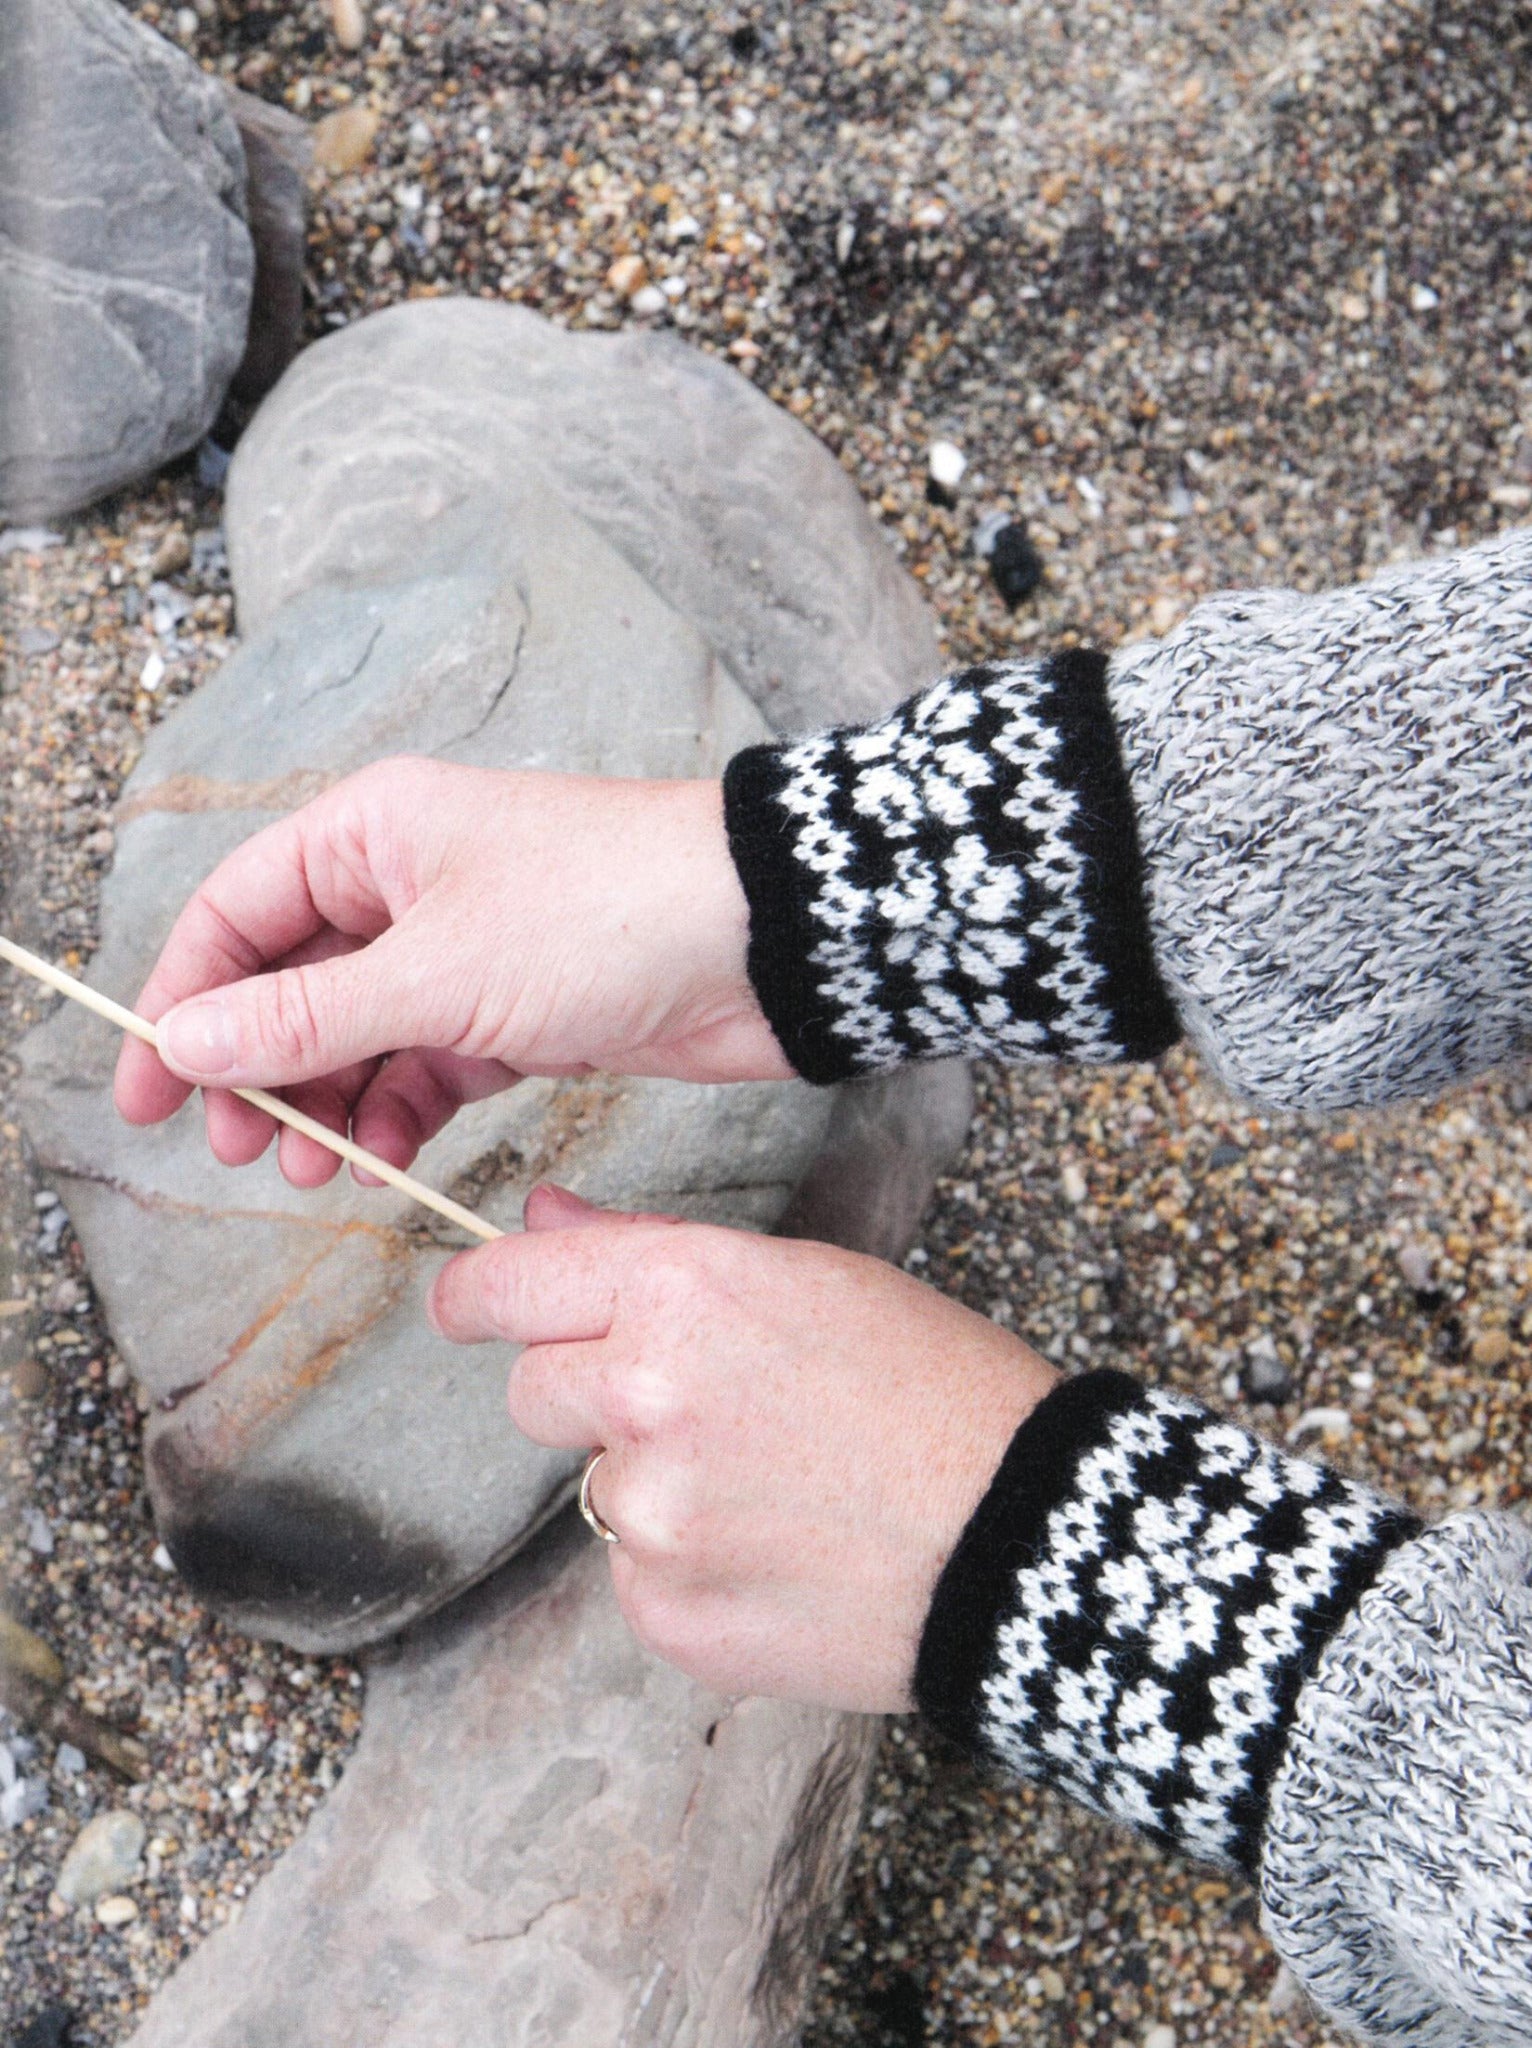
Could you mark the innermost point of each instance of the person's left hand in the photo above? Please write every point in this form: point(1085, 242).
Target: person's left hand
point(795, 1435)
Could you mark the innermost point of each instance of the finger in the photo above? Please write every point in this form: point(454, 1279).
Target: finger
point(550, 1207)
point(237, 1132)
point(548, 1288)
point(305, 1163)
point(416, 1094)
point(302, 1023)
point(554, 1395)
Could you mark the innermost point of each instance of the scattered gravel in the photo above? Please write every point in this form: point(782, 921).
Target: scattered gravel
point(1202, 295)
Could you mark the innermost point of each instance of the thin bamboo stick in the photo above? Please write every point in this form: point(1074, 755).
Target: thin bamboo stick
point(125, 1020)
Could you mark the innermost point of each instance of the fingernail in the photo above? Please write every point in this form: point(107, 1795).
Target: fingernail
point(197, 1038)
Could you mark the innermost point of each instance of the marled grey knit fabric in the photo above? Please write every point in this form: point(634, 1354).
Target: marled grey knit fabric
point(1396, 1873)
point(1332, 800)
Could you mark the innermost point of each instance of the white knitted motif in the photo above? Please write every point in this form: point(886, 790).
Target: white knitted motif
point(1332, 806)
point(1150, 1652)
point(958, 915)
point(1396, 1875)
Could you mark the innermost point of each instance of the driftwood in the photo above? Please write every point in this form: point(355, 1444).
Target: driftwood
point(32, 1681)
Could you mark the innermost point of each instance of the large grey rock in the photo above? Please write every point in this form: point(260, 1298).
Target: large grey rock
point(323, 1467)
point(125, 264)
point(730, 510)
point(545, 1839)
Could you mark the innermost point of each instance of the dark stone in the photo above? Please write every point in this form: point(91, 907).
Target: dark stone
point(46, 2029)
point(279, 150)
point(1264, 1376)
point(1015, 564)
point(1225, 1153)
point(897, 2011)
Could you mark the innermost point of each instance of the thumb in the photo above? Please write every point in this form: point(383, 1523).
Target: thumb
point(296, 1024)
point(550, 1207)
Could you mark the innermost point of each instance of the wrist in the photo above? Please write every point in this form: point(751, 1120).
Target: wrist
point(702, 926)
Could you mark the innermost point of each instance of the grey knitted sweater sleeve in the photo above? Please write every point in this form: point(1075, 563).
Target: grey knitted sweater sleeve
point(1297, 831)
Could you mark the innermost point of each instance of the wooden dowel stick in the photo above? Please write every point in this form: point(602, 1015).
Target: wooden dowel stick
point(125, 1020)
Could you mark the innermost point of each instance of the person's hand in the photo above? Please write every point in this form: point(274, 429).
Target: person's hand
point(795, 1436)
point(423, 934)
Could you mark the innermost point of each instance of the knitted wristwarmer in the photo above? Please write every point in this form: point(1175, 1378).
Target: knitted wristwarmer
point(963, 876)
point(1133, 1609)
point(1298, 829)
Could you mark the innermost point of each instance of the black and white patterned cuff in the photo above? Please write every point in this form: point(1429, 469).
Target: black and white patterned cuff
point(963, 877)
point(1134, 1607)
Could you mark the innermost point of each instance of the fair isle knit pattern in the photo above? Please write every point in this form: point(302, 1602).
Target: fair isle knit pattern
point(1332, 804)
point(1132, 1611)
point(1398, 1854)
point(961, 877)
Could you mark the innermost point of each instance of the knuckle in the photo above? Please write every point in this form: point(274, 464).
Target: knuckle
point(641, 1403)
point(289, 1027)
point(678, 1278)
point(497, 1282)
point(658, 1522)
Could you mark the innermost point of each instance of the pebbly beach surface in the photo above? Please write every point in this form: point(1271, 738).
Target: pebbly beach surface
point(1200, 296)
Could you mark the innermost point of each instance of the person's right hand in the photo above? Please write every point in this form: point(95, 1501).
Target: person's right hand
point(422, 935)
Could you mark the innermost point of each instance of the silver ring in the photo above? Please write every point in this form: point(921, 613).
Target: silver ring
point(599, 1528)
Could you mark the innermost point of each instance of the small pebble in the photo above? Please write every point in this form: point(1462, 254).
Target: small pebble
point(116, 1911)
point(648, 301)
point(103, 1857)
point(349, 23)
point(1491, 1348)
point(172, 555)
point(1014, 563)
point(627, 275)
point(945, 465)
point(1329, 1422)
point(212, 466)
point(1161, 2036)
point(1417, 1264)
point(21, 1801)
point(1072, 1184)
point(68, 1761)
point(1265, 1377)
point(35, 640)
point(343, 140)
